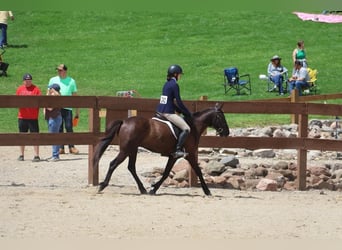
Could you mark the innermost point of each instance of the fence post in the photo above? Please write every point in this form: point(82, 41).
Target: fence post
point(294, 99)
point(302, 152)
point(94, 127)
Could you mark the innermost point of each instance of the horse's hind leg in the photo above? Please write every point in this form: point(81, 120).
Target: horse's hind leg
point(166, 173)
point(132, 169)
point(112, 166)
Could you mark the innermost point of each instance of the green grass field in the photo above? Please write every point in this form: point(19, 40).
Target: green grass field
point(111, 51)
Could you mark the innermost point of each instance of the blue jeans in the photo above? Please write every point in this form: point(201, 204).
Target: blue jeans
point(278, 81)
point(3, 28)
point(298, 85)
point(53, 126)
point(67, 123)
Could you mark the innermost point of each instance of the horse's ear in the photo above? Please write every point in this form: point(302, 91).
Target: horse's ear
point(218, 106)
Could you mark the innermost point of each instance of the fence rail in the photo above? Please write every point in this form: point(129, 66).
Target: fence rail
point(117, 108)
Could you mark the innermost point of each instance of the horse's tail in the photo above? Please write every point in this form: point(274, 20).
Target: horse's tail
point(112, 129)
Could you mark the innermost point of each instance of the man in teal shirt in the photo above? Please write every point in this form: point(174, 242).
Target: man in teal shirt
point(68, 88)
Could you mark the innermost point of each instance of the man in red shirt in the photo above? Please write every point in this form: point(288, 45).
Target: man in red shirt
point(28, 117)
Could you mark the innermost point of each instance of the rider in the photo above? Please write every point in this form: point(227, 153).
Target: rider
point(168, 107)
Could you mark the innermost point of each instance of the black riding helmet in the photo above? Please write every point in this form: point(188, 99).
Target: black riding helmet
point(174, 69)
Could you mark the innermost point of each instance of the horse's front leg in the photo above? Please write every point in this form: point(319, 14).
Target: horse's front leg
point(132, 168)
point(166, 173)
point(193, 160)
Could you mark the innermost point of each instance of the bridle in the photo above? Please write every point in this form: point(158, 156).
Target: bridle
point(217, 121)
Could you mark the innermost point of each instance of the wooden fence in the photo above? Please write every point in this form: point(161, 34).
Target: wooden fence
point(117, 108)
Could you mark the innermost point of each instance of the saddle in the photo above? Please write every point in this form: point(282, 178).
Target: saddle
point(174, 129)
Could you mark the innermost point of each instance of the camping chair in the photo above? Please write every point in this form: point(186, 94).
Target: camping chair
point(232, 80)
point(312, 82)
point(272, 87)
point(3, 65)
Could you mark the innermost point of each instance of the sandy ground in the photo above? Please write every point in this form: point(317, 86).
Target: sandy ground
point(53, 200)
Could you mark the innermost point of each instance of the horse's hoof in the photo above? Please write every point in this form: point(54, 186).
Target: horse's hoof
point(143, 192)
point(152, 192)
point(101, 187)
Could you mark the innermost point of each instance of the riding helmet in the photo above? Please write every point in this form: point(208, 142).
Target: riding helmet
point(174, 69)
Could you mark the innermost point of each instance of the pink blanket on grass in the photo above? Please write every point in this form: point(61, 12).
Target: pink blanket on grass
point(329, 18)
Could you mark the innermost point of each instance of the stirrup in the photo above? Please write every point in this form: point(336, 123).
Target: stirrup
point(179, 154)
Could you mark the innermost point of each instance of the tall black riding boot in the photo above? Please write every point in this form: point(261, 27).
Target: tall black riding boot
point(179, 147)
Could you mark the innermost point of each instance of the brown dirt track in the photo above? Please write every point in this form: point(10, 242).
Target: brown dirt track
point(52, 200)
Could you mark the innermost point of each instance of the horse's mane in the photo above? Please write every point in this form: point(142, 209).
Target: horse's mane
point(199, 113)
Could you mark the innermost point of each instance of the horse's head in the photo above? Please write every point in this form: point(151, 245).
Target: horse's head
point(219, 121)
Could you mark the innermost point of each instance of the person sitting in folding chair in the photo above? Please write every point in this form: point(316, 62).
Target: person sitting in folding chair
point(277, 74)
point(299, 78)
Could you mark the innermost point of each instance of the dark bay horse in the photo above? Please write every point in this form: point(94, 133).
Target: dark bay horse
point(156, 136)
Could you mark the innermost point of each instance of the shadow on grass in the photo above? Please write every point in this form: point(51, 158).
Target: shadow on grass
point(17, 46)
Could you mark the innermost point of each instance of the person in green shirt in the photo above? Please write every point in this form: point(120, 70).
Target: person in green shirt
point(68, 87)
point(299, 54)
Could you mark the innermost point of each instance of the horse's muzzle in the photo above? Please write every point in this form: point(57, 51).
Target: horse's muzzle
point(222, 132)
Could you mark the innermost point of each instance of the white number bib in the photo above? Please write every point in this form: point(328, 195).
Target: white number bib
point(163, 99)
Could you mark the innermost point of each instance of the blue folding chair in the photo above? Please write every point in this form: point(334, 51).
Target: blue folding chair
point(232, 80)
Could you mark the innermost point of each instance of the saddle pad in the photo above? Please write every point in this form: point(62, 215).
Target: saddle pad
point(168, 124)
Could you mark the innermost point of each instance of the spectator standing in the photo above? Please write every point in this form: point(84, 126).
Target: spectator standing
point(28, 116)
point(54, 119)
point(4, 16)
point(299, 54)
point(68, 87)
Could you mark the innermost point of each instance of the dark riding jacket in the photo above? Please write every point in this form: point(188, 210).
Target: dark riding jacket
point(169, 94)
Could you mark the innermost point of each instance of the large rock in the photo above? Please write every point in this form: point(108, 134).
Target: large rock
point(293, 166)
point(266, 132)
point(274, 175)
point(236, 182)
point(280, 133)
point(235, 171)
point(314, 154)
point(281, 165)
point(256, 172)
point(205, 151)
point(267, 185)
point(338, 175)
point(181, 165)
point(290, 186)
point(251, 184)
point(215, 168)
point(261, 171)
point(316, 123)
point(288, 174)
point(219, 180)
point(313, 180)
point(315, 132)
point(230, 161)
point(324, 185)
point(335, 167)
point(264, 153)
point(315, 170)
point(181, 176)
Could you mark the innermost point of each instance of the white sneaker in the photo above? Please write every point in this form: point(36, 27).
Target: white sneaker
point(53, 159)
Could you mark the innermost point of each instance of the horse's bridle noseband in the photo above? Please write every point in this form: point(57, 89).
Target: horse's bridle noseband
point(217, 120)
